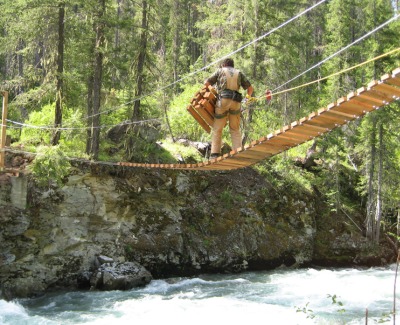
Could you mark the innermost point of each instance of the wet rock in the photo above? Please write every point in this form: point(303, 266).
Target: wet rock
point(120, 276)
point(104, 259)
point(83, 280)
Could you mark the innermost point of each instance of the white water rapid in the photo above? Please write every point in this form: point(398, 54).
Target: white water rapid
point(304, 296)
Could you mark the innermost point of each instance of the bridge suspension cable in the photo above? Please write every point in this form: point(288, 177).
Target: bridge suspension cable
point(331, 75)
point(340, 51)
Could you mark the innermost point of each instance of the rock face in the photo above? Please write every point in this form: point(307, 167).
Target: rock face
point(170, 222)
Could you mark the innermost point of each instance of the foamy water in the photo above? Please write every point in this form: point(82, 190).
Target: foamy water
point(284, 297)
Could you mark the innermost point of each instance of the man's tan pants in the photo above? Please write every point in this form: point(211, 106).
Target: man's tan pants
point(226, 109)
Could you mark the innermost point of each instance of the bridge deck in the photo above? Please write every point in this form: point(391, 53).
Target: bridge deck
point(345, 109)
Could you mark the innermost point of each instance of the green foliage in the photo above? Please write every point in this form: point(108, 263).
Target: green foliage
point(42, 119)
point(386, 317)
point(228, 198)
point(337, 302)
point(264, 122)
point(72, 141)
point(183, 125)
point(188, 154)
point(145, 148)
point(306, 310)
point(50, 165)
point(282, 173)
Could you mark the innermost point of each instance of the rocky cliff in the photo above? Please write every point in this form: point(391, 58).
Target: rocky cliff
point(171, 222)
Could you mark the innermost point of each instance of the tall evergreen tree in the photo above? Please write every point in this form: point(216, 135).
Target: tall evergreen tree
point(95, 86)
point(60, 70)
point(141, 58)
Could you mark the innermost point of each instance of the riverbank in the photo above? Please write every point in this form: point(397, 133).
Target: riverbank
point(174, 223)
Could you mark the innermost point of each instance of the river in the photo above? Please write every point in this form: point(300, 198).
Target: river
point(284, 296)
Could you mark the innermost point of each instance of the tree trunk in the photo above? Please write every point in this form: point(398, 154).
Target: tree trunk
point(140, 63)
point(60, 70)
point(166, 116)
point(194, 48)
point(176, 40)
point(370, 214)
point(89, 112)
point(337, 179)
point(116, 43)
point(378, 209)
point(20, 66)
point(97, 80)
point(398, 223)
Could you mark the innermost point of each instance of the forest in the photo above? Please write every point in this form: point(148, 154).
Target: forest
point(109, 80)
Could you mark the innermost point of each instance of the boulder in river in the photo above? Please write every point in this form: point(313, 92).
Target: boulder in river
point(120, 276)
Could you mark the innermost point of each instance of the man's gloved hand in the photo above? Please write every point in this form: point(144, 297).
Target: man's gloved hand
point(250, 100)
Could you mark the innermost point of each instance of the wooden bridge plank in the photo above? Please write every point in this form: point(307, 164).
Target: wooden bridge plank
point(214, 166)
point(267, 147)
point(366, 96)
point(292, 134)
point(319, 120)
point(390, 91)
point(374, 91)
point(295, 140)
point(351, 107)
point(217, 166)
point(244, 159)
point(249, 153)
point(232, 162)
point(319, 129)
point(248, 150)
point(304, 129)
point(275, 140)
point(353, 98)
point(333, 109)
point(365, 104)
point(267, 150)
point(321, 124)
point(395, 81)
point(340, 119)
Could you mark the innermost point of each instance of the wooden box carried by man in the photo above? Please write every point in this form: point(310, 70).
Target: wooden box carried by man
point(202, 107)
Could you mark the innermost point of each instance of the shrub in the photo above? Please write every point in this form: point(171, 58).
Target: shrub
point(50, 165)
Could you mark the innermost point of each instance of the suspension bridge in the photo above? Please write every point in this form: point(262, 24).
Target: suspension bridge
point(357, 104)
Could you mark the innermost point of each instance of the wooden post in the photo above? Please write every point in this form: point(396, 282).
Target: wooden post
point(3, 130)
